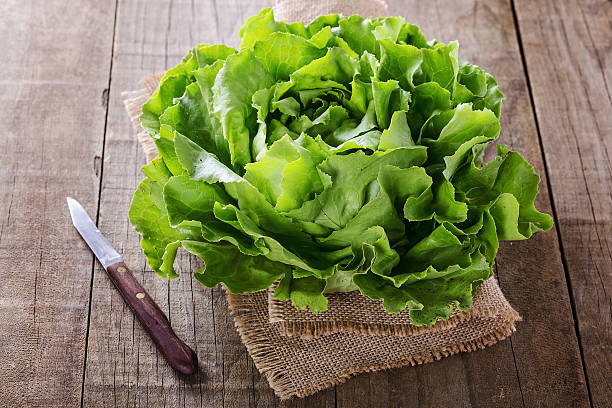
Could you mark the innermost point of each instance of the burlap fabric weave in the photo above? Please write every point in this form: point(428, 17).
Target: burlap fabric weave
point(354, 313)
point(300, 353)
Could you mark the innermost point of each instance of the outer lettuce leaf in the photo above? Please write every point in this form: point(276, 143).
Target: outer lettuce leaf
point(399, 62)
point(258, 28)
point(441, 65)
point(517, 178)
point(169, 88)
point(358, 34)
point(241, 76)
point(304, 292)
point(149, 216)
point(240, 273)
point(431, 297)
point(283, 53)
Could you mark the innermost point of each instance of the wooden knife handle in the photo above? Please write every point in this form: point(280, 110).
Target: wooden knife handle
point(179, 355)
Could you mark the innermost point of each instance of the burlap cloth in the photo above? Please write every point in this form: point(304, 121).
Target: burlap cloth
point(301, 353)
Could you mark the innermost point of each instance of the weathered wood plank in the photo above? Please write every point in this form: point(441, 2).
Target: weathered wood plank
point(542, 359)
point(123, 366)
point(55, 68)
point(567, 48)
point(129, 375)
point(485, 378)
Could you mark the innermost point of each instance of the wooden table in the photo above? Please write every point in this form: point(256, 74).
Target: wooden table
point(66, 337)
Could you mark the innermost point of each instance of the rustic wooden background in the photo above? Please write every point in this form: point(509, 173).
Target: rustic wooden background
point(66, 337)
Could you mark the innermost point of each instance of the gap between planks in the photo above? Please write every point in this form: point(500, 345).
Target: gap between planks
point(106, 100)
point(551, 198)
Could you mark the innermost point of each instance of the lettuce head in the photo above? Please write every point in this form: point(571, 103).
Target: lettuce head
point(341, 155)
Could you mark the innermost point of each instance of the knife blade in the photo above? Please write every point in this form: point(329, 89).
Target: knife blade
point(99, 245)
point(179, 355)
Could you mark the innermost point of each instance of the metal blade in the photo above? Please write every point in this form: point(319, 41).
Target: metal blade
point(100, 246)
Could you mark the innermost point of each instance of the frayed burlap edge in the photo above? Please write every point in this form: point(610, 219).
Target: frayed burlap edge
point(344, 310)
point(309, 330)
point(262, 341)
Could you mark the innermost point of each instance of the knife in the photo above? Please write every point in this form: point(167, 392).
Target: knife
point(151, 317)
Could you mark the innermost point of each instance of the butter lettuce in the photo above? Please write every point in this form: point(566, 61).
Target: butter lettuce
point(341, 155)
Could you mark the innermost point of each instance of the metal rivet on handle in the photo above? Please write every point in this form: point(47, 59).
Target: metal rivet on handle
point(121, 269)
point(140, 295)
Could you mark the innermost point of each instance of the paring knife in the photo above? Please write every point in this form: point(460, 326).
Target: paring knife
point(179, 355)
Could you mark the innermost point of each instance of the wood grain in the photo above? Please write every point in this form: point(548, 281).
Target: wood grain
point(512, 372)
point(53, 145)
point(53, 58)
point(567, 48)
point(123, 367)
